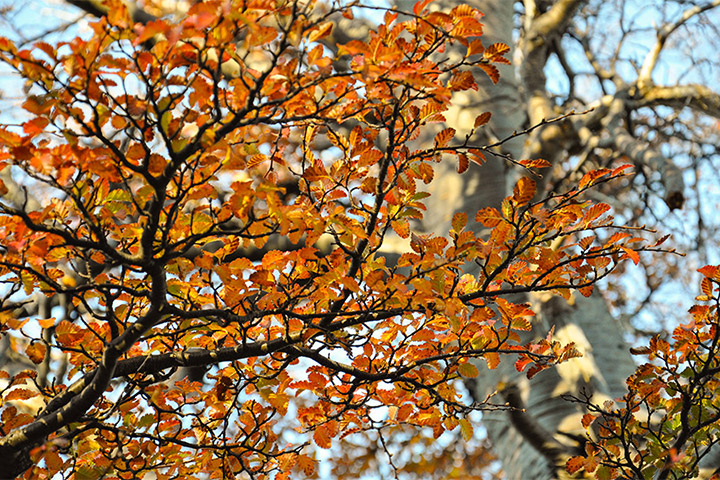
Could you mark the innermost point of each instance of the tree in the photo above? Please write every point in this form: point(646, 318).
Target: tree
point(160, 159)
point(629, 124)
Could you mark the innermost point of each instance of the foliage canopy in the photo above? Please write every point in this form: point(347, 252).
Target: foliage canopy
point(218, 194)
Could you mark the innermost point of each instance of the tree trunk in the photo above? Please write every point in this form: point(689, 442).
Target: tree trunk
point(534, 444)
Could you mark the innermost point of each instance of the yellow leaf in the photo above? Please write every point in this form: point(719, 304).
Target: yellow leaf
point(468, 370)
point(466, 429)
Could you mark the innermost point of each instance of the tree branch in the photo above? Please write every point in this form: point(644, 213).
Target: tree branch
point(645, 77)
point(697, 97)
point(99, 9)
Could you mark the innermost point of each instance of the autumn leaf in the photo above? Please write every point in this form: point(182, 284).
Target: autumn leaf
point(463, 163)
point(444, 137)
point(468, 370)
point(466, 429)
point(321, 438)
point(574, 464)
point(524, 191)
point(489, 217)
point(536, 163)
point(36, 352)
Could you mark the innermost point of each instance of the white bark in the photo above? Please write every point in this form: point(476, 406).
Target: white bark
point(536, 443)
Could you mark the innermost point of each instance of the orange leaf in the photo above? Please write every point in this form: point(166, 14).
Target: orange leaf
point(475, 47)
point(587, 419)
point(322, 31)
point(20, 394)
point(442, 138)
point(321, 436)
point(524, 191)
point(574, 464)
point(256, 160)
point(459, 221)
point(710, 271)
point(632, 254)
point(491, 71)
point(706, 286)
point(492, 359)
point(586, 291)
point(594, 212)
point(35, 126)
point(489, 217)
point(36, 352)
point(463, 163)
point(462, 81)
point(46, 322)
point(306, 464)
point(420, 6)
point(402, 228)
point(466, 429)
point(482, 119)
point(535, 163)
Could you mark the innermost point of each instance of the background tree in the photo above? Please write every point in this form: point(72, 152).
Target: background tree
point(579, 55)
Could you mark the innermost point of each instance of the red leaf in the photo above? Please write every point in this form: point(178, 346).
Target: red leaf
point(522, 362)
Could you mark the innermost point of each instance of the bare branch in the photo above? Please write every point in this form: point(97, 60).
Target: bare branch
point(645, 77)
point(697, 97)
